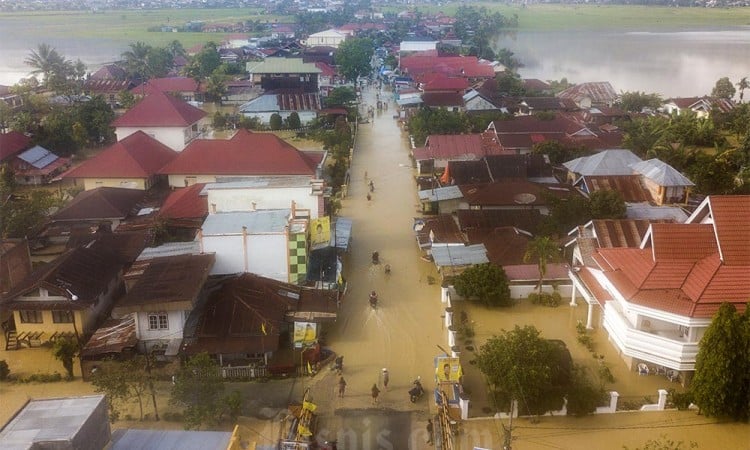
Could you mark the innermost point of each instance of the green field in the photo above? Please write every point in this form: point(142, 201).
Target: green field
point(130, 26)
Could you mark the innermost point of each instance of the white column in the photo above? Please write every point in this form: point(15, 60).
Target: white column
point(613, 396)
point(662, 400)
point(444, 294)
point(573, 296)
point(455, 351)
point(451, 336)
point(590, 317)
point(463, 403)
point(448, 317)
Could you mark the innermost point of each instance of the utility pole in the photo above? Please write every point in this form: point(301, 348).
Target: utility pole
point(507, 431)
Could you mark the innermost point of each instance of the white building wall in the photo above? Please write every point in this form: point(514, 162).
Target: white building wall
point(173, 137)
point(228, 200)
point(183, 180)
point(175, 330)
point(266, 254)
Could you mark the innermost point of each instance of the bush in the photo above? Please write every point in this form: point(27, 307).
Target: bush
point(275, 122)
point(545, 299)
point(43, 378)
point(4, 370)
point(293, 121)
point(680, 400)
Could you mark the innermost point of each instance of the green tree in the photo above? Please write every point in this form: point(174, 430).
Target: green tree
point(204, 62)
point(216, 87)
point(742, 85)
point(96, 116)
point(636, 101)
point(541, 249)
point(723, 89)
point(583, 395)
point(558, 152)
point(521, 365)
point(125, 381)
point(607, 204)
point(565, 213)
point(21, 215)
point(509, 84)
point(486, 283)
point(137, 61)
point(721, 384)
point(275, 122)
point(65, 350)
point(47, 62)
point(353, 57)
point(429, 121)
point(293, 121)
point(126, 99)
point(642, 134)
point(341, 96)
point(198, 388)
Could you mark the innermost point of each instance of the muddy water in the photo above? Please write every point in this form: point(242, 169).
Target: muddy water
point(402, 333)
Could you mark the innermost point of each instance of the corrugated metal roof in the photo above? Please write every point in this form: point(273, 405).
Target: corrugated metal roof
point(608, 162)
point(647, 211)
point(342, 233)
point(259, 182)
point(38, 157)
point(130, 439)
point(269, 221)
point(440, 194)
point(661, 173)
point(170, 249)
point(459, 255)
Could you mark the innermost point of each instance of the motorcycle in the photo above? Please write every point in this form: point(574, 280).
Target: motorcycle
point(375, 258)
point(387, 269)
point(373, 299)
point(372, 186)
point(417, 391)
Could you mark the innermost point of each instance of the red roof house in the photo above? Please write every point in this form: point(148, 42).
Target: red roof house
point(170, 120)
point(134, 162)
point(664, 293)
point(12, 143)
point(245, 154)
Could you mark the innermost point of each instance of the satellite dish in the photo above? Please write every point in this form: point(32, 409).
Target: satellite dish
point(524, 199)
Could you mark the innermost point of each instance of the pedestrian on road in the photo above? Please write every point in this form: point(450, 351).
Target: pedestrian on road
point(386, 378)
point(375, 393)
point(429, 431)
point(342, 387)
point(369, 197)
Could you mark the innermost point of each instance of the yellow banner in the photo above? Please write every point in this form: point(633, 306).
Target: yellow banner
point(320, 231)
point(305, 332)
point(448, 369)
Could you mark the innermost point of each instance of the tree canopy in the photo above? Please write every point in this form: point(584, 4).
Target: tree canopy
point(721, 384)
point(198, 388)
point(486, 283)
point(540, 250)
point(353, 57)
point(636, 101)
point(723, 88)
point(429, 121)
point(521, 365)
point(607, 204)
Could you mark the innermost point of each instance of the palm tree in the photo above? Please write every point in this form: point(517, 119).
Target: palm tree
point(45, 61)
point(136, 60)
point(742, 85)
point(541, 248)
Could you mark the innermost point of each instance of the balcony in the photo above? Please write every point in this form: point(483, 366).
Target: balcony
point(663, 348)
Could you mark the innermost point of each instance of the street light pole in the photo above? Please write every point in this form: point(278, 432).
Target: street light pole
point(74, 298)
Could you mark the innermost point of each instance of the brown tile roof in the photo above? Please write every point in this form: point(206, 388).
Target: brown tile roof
point(101, 203)
point(105, 85)
point(169, 283)
point(731, 216)
point(621, 232)
point(236, 314)
point(668, 241)
point(298, 101)
point(525, 219)
point(598, 91)
point(446, 146)
point(629, 186)
point(512, 192)
point(505, 245)
point(160, 110)
point(137, 156)
point(245, 153)
point(442, 228)
point(442, 99)
point(86, 272)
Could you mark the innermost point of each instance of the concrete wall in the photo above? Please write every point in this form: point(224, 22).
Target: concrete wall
point(519, 291)
point(227, 200)
point(175, 138)
point(176, 321)
point(182, 180)
point(130, 183)
point(266, 254)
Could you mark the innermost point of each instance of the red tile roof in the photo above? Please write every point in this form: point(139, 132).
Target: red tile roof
point(680, 270)
point(731, 215)
point(245, 153)
point(160, 110)
point(446, 146)
point(325, 69)
point(12, 143)
point(185, 203)
point(443, 82)
point(468, 66)
point(137, 156)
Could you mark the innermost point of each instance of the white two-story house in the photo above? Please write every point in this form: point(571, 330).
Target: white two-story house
point(659, 299)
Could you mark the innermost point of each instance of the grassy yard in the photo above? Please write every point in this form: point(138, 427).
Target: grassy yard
point(130, 26)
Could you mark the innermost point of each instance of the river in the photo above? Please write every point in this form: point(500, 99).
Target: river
point(676, 63)
point(672, 64)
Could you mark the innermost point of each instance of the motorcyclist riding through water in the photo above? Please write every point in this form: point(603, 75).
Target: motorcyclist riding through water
point(417, 391)
point(373, 299)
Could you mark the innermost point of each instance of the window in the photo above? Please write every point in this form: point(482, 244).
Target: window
point(62, 316)
point(31, 316)
point(158, 321)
